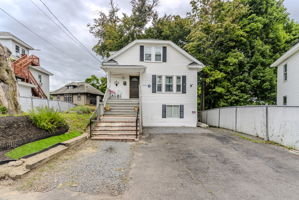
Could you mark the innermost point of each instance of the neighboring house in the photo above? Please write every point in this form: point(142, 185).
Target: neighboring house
point(33, 80)
point(288, 77)
point(79, 93)
point(158, 73)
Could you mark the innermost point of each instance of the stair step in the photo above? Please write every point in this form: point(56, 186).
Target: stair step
point(116, 124)
point(122, 109)
point(115, 128)
point(103, 137)
point(114, 132)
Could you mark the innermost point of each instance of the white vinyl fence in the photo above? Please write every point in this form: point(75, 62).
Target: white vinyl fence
point(29, 103)
point(275, 123)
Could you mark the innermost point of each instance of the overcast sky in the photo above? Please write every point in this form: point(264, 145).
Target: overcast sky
point(66, 60)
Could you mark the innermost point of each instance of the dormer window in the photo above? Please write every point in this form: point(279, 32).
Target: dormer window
point(147, 53)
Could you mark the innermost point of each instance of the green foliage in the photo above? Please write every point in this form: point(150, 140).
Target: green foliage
point(3, 110)
point(77, 124)
point(39, 145)
point(100, 84)
point(83, 109)
point(47, 119)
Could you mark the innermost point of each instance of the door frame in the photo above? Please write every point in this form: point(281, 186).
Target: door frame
point(137, 85)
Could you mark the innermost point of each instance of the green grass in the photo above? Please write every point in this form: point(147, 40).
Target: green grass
point(39, 145)
point(83, 109)
point(77, 124)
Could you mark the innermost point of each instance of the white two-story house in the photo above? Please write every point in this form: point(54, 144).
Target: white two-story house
point(38, 82)
point(288, 77)
point(158, 74)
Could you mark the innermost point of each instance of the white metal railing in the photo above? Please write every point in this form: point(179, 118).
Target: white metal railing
point(106, 96)
point(140, 110)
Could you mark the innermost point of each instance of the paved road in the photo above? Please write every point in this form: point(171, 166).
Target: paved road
point(197, 164)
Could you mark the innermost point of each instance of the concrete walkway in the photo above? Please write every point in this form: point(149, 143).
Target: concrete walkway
point(194, 164)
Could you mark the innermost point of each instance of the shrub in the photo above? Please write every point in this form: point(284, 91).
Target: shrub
point(47, 119)
point(3, 110)
point(82, 109)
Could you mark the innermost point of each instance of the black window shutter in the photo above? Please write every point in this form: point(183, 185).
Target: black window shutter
point(184, 84)
point(153, 83)
point(181, 111)
point(164, 111)
point(164, 54)
point(141, 53)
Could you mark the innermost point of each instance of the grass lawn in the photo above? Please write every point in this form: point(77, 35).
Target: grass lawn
point(77, 124)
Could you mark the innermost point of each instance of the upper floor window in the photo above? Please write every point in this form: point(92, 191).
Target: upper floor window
point(285, 72)
point(153, 53)
point(158, 54)
point(168, 83)
point(147, 53)
point(17, 49)
point(159, 83)
point(40, 79)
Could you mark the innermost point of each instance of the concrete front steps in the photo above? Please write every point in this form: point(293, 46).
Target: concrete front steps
point(119, 123)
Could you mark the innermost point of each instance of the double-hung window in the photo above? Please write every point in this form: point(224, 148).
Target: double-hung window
point(158, 54)
point(168, 83)
point(178, 84)
point(172, 111)
point(17, 49)
point(147, 53)
point(159, 83)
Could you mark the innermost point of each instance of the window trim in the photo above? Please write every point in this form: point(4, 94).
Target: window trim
point(172, 91)
point(173, 117)
point(153, 53)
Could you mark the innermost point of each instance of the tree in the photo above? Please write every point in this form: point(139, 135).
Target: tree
point(100, 84)
point(238, 40)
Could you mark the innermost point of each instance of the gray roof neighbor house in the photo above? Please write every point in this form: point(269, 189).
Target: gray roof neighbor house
point(77, 88)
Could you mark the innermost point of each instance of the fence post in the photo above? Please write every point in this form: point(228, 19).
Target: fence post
point(59, 108)
point(236, 118)
point(267, 123)
point(48, 103)
point(32, 103)
point(219, 118)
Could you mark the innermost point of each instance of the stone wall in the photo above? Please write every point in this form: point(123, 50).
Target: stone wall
point(15, 131)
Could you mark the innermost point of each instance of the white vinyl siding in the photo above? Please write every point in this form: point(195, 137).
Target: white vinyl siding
point(172, 111)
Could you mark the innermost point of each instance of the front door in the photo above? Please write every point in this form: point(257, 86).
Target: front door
point(134, 86)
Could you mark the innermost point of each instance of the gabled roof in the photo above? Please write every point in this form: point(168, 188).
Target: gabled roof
point(9, 36)
point(154, 41)
point(80, 87)
point(285, 56)
point(41, 69)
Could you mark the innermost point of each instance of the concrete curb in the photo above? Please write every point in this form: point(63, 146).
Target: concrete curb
point(15, 172)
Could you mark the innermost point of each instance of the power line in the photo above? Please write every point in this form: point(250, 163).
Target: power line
point(36, 34)
point(81, 44)
point(51, 20)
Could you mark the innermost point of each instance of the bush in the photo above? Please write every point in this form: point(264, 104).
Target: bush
point(47, 119)
point(82, 109)
point(3, 110)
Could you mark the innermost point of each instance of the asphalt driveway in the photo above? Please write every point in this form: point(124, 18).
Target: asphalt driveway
point(178, 163)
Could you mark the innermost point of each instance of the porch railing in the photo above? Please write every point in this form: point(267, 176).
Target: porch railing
point(140, 110)
point(137, 119)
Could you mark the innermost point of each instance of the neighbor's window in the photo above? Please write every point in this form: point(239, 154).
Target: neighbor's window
point(40, 79)
point(17, 49)
point(179, 84)
point(285, 72)
point(23, 52)
point(168, 83)
point(147, 53)
point(172, 111)
point(58, 97)
point(79, 98)
point(159, 83)
point(158, 53)
point(285, 100)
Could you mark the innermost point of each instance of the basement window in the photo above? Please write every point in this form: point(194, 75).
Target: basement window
point(285, 100)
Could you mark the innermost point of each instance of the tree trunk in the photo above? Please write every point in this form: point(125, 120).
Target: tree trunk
point(8, 83)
